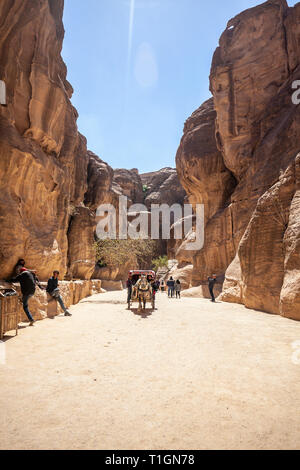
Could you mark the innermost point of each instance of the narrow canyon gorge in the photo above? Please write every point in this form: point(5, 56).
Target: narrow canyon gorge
point(239, 156)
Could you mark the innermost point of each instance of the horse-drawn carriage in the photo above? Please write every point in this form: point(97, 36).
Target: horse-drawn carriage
point(142, 290)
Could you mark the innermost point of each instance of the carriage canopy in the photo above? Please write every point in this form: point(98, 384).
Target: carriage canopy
point(136, 273)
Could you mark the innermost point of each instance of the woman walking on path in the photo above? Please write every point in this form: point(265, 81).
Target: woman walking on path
point(178, 289)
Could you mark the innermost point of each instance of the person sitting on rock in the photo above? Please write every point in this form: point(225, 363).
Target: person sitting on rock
point(28, 282)
point(53, 291)
point(211, 284)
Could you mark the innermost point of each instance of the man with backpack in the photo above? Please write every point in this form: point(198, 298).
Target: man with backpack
point(20, 266)
point(28, 282)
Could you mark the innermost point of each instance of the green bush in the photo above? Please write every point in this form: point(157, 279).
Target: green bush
point(160, 262)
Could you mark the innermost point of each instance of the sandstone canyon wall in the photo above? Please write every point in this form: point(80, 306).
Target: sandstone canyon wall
point(163, 187)
point(239, 156)
point(50, 183)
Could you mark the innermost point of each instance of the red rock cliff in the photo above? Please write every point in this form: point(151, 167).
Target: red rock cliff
point(240, 157)
point(50, 184)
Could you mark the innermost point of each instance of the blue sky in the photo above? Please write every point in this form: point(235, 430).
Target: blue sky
point(138, 73)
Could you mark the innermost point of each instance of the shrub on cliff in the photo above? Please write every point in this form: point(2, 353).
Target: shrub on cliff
point(114, 253)
point(160, 262)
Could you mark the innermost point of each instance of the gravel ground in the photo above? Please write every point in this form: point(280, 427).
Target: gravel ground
point(190, 375)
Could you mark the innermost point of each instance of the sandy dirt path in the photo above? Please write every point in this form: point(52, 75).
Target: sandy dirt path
point(192, 375)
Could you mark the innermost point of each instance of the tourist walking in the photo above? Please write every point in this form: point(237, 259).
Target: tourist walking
point(211, 284)
point(171, 287)
point(178, 288)
point(154, 285)
point(53, 291)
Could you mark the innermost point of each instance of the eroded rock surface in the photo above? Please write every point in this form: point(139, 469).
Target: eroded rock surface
point(238, 156)
point(131, 185)
point(50, 185)
point(163, 187)
point(43, 156)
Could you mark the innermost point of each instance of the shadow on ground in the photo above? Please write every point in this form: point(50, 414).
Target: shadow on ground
point(143, 313)
point(115, 302)
point(11, 335)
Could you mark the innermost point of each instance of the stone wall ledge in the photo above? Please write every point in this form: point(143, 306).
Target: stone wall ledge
point(43, 306)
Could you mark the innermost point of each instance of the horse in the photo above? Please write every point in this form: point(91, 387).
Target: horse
point(144, 292)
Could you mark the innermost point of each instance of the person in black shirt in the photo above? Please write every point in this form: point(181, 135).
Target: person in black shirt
point(20, 267)
point(129, 284)
point(28, 282)
point(20, 264)
point(154, 285)
point(211, 284)
point(53, 290)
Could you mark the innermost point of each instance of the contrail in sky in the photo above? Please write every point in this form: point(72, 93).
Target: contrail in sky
point(127, 77)
point(131, 19)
